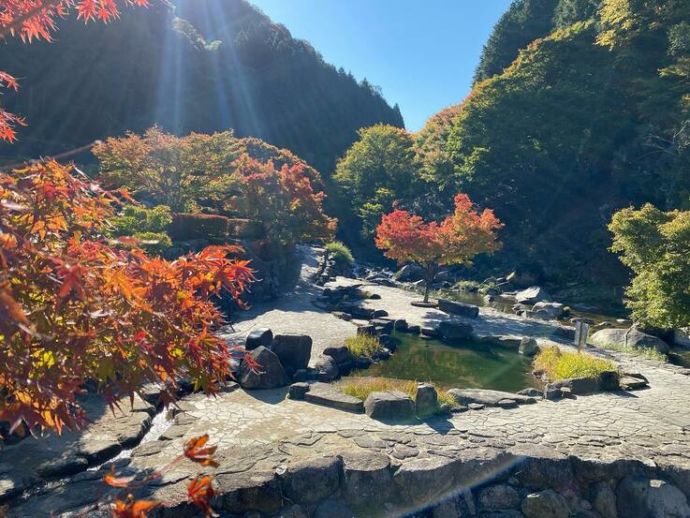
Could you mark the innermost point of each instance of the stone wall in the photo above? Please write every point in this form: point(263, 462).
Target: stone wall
point(483, 482)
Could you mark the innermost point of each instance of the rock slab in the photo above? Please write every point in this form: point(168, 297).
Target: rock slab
point(389, 406)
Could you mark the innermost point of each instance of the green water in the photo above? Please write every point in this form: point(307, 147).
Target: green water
point(466, 365)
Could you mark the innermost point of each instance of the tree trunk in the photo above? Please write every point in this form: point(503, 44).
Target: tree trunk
point(431, 269)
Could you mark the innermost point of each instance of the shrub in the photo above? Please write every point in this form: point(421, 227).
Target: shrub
point(340, 253)
point(198, 226)
point(655, 245)
point(363, 346)
point(560, 365)
point(147, 226)
point(74, 306)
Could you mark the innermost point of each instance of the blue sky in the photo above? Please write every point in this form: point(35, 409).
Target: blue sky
point(421, 53)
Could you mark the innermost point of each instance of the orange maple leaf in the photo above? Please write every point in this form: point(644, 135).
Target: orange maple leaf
point(131, 508)
point(196, 451)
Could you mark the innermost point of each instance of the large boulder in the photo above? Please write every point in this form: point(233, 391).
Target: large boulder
point(452, 331)
point(547, 310)
point(409, 273)
point(389, 406)
point(367, 477)
point(641, 497)
point(545, 504)
point(260, 336)
point(487, 397)
point(294, 351)
point(681, 337)
point(312, 480)
point(501, 496)
point(528, 346)
point(531, 295)
point(326, 368)
point(426, 400)
point(632, 337)
point(458, 308)
point(269, 375)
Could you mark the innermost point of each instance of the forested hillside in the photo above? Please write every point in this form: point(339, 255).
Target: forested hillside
point(581, 108)
point(204, 66)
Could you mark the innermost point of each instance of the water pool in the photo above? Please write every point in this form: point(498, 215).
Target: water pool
point(461, 365)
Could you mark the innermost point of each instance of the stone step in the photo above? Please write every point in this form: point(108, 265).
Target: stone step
point(327, 395)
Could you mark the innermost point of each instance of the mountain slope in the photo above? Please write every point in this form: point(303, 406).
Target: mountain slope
point(205, 66)
point(591, 118)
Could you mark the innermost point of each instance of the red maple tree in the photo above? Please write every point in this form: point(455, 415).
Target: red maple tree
point(37, 20)
point(455, 240)
point(77, 306)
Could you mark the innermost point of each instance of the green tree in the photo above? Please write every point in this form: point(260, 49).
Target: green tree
point(524, 22)
point(655, 245)
point(377, 171)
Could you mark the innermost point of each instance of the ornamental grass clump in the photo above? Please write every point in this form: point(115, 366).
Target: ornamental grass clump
point(362, 387)
point(340, 253)
point(363, 346)
point(559, 365)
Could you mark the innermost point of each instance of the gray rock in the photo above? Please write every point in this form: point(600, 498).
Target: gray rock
point(383, 325)
point(545, 504)
point(270, 375)
point(367, 478)
point(641, 497)
point(62, 466)
point(548, 310)
point(414, 329)
point(487, 397)
point(311, 480)
point(426, 400)
point(400, 325)
point(389, 406)
point(604, 500)
point(258, 491)
point(681, 337)
point(531, 295)
point(326, 368)
point(454, 331)
point(328, 395)
point(431, 332)
point(532, 392)
point(528, 346)
point(633, 382)
point(609, 380)
point(458, 308)
point(522, 279)
point(341, 354)
point(298, 390)
point(409, 273)
point(632, 337)
point(294, 511)
point(497, 497)
point(260, 336)
point(422, 480)
point(333, 509)
point(578, 386)
point(293, 351)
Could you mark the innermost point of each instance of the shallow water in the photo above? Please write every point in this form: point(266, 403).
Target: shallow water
point(464, 365)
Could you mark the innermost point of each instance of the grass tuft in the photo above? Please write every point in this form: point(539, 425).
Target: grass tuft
point(560, 365)
point(363, 346)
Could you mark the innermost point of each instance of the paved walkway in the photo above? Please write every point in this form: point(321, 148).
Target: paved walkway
point(260, 432)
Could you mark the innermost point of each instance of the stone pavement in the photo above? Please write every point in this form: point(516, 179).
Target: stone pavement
point(262, 436)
